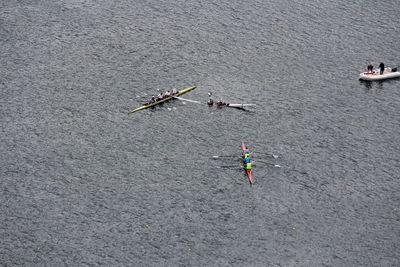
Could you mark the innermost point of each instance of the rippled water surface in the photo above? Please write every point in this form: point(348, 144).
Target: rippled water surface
point(84, 184)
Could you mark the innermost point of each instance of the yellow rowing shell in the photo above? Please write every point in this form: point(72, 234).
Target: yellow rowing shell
point(181, 92)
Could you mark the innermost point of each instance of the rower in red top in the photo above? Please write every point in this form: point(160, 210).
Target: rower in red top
point(220, 103)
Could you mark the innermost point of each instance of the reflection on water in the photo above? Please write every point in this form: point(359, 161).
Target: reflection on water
point(378, 84)
point(367, 84)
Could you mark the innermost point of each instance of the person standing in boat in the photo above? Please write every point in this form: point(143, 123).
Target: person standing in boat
point(382, 67)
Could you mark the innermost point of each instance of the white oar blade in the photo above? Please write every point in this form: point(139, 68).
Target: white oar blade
point(267, 154)
point(240, 105)
point(269, 163)
point(188, 100)
point(226, 156)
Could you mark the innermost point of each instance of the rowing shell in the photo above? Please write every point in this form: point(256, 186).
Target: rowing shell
point(163, 100)
point(239, 105)
point(248, 172)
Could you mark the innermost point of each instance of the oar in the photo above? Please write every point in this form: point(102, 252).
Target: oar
point(227, 156)
point(233, 167)
point(240, 108)
point(142, 96)
point(188, 100)
point(239, 105)
point(269, 163)
point(146, 95)
point(267, 154)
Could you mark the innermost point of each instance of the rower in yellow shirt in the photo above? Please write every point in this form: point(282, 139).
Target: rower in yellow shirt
point(248, 165)
point(247, 160)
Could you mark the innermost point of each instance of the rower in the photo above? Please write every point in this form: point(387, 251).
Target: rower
point(246, 154)
point(167, 94)
point(248, 166)
point(220, 103)
point(247, 160)
point(210, 102)
point(152, 100)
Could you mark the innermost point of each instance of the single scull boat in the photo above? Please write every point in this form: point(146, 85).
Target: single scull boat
point(248, 172)
point(181, 92)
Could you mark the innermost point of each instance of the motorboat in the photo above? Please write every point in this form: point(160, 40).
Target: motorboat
point(375, 75)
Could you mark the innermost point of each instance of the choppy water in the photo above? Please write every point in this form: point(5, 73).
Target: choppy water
point(83, 183)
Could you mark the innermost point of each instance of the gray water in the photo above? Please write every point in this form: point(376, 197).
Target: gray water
point(85, 184)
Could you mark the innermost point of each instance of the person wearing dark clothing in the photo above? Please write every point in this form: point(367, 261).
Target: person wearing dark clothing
point(370, 67)
point(382, 67)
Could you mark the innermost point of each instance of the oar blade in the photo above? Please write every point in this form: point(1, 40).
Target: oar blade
point(224, 156)
point(269, 163)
